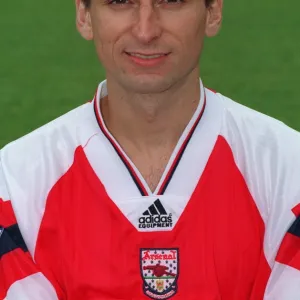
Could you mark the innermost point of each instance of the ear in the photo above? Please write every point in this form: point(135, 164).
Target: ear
point(214, 18)
point(83, 20)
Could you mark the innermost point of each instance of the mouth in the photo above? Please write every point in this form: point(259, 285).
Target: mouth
point(147, 59)
point(146, 56)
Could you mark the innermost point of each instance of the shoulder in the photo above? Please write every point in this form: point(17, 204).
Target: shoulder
point(245, 128)
point(50, 147)
point(33, 164)
point(259, 131)
point(267, 153)
point(57, 138)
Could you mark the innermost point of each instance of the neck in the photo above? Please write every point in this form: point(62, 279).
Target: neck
point(152, 120)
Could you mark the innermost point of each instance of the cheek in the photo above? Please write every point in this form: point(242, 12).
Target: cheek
point(191, 35)
point(189, 26)
point(106, 36)
point(105, 47)
point(194, 27)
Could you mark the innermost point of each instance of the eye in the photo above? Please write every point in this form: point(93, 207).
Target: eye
point(120, 2)
point(123, 2)
point(171, 1)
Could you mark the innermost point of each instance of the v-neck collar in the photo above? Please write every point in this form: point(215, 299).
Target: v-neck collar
point(175, 157)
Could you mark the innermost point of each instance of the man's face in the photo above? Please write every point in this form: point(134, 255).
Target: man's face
point(147, 46)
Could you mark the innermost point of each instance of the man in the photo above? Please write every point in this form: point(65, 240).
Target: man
point(157, 189)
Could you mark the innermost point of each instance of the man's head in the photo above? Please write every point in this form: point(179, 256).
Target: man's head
point(147, 46)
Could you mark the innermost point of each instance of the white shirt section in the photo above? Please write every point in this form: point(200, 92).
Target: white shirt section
point(284, 283)
point(34, 287)
point(34, 163)
point(267, 153)
point(3, 188)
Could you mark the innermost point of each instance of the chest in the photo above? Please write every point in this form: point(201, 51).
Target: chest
point(96, 249)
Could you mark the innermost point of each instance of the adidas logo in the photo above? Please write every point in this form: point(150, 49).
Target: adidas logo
point(155, 217)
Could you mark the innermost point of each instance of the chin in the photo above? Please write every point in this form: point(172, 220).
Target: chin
point(149, 84)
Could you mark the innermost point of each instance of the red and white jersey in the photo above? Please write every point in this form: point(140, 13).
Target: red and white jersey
point(78, 221)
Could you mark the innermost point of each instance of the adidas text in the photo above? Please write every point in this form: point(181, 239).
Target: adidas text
point(156, 221)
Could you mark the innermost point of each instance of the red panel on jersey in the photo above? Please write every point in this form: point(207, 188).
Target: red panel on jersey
point(296, 210)
point(14, 266)
point(262, 277)
point(289, 252)
point(93, 251)
point(7, 216)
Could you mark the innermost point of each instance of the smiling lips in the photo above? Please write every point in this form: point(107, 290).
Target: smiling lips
point(147, 59)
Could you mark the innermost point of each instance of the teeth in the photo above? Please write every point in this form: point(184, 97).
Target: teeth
point(146, 56)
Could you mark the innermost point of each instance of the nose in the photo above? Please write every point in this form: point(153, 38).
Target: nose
point(147, 27)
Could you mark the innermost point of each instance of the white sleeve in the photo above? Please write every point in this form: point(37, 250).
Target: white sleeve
point(267, 153)
point(284, 281)
point(282, 237)
point(20, 278)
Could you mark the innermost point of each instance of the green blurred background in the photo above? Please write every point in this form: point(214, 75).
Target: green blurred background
point(46, 69)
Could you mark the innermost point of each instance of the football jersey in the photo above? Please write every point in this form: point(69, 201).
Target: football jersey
point(78, 220)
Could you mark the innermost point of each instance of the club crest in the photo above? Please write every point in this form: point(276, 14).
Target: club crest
point(159, 270)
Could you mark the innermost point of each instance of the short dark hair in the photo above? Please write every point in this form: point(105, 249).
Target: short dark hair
point(87, 3)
